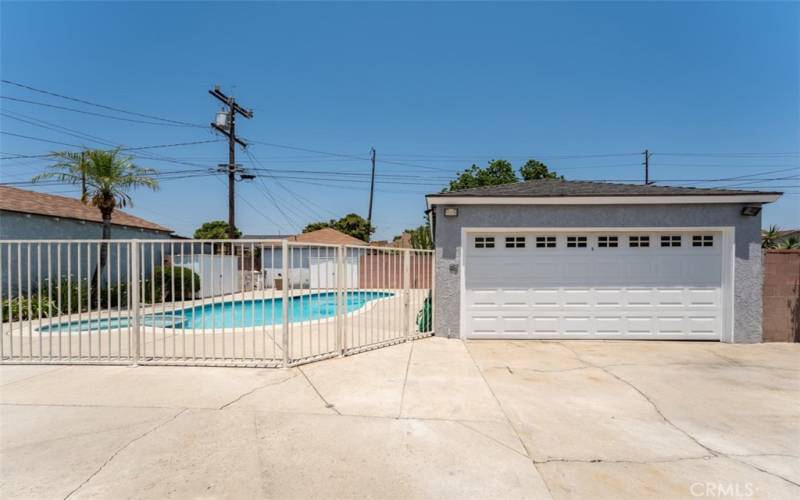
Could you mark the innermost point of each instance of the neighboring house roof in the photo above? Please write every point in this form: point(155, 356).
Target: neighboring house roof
point(327, 236)
point(554, 187)
point(264, 236)
point(32, 202)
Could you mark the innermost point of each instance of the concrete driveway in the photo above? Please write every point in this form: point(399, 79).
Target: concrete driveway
point(431, 419)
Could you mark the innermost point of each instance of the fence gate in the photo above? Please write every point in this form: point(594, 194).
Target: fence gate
point(264, 303)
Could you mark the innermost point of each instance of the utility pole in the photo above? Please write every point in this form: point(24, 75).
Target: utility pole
point(371, 189)
point(225, 123)
point(646, 167)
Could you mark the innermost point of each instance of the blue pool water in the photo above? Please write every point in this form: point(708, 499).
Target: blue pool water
point(237, 313)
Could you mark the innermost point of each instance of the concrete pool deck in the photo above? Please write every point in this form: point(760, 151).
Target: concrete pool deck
point(434, 418)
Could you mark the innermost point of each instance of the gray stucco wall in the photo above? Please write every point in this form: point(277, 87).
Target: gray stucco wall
point(747, 275)
point(19, 226)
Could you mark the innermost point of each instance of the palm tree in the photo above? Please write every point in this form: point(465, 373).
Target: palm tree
point(78, 163)
point(770, 237)
point(109, 178)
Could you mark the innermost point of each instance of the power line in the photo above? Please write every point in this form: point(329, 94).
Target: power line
point(255, 209)
point(39, 139)
point(90, 113)
point(91, 138)
point(297, 196)
point(734, 155)
point(103, 106)
point(14, 156)
point(561, 156)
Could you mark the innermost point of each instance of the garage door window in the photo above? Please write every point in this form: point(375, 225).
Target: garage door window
point(607, 241)
point(638, 241)
point(545, 242)
point(576, 241)
point(484, 242)
point(673, 240)
point(704, 240)
point(515, 242)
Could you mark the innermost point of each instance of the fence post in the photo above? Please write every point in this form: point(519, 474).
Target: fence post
point(431, 272)
point(341, 301)
point(285, 301)
point(406, 292)
point(133, 294)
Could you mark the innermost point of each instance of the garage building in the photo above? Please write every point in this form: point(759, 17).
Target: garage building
point(554, 259)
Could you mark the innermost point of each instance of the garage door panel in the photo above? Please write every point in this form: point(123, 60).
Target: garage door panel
point(592, 292)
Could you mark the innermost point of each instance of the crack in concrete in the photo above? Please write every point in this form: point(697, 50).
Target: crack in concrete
point(528, 454)
point(647, 398)
point(760, 469)
point(121, 449)
point(405, 380)
point(58, 368)
point(713, 452)
point(605, 461)
point(80, 434)
point(490, 438)
point(251, 391)
point(327, 404)
point(731, 362)
point(745, 455)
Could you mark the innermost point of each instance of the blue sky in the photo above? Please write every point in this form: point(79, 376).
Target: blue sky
point(713, 89)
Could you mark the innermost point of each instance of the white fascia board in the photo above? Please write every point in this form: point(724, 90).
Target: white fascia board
point(600, 200)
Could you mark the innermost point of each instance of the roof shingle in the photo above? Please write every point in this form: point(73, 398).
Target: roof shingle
point(327, 236)
point(560, 188)
point(32, 202)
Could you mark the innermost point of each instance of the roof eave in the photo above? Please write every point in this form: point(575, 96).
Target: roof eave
point(159, 229)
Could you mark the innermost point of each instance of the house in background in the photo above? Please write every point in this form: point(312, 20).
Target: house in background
point(554, 259)
point(33, 216)
point(312, 265)
point(29, 215)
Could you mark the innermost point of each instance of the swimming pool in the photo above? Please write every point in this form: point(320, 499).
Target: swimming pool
point(234, 314)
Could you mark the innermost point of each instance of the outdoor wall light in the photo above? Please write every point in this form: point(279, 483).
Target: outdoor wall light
point(451, 212)
point(751, 211)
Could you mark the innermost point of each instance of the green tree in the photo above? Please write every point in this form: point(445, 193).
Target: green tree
point(496, 172)
point(534, 170)
point(770, 237)
point(352, 224)
point(214, 230)
point(500, 172)
point(109, 178)
point(421, 237)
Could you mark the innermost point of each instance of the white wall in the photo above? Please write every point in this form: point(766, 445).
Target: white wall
point(219, 274)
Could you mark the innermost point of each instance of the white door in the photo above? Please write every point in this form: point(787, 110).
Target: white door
point(601, 285)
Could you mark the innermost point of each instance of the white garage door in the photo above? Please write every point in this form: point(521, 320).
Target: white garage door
point(604, 285)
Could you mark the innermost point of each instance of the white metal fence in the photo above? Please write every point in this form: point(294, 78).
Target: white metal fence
point(207, 302)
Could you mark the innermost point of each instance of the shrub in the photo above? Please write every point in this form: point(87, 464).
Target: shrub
point(425, 316)
point(20, 308)
point(152, 286)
